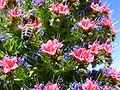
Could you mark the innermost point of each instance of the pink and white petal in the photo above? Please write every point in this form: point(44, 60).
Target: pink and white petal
point(15, 66)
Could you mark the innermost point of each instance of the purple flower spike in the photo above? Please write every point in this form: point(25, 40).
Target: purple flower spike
point(38, 2)
point(75, 86)
point(3, 38)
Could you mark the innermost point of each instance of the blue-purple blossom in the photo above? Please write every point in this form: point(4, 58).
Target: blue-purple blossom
point(22, 61)
point(75, 27)
point(38, 2)
point(98, 28)
point(38, 87)
point(107, 72)
point(35, 55)
point(20, 1)
point(67, 56)
point(3, 38)
point(75, 86)
point(42, 32)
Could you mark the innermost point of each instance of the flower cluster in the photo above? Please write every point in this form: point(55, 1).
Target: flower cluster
point(106, 22)
point(87, 55)
point(86, 24)
point(75, 86)
point(8, 64)
point(34, 23)
point(38, 2)
point(15, 13)
point(90, 85)
point(107, 88)
point(3, 37)
point(60, 8)
point(2, 4)
point(51, 47)
point(82, 54)
point(100, 7)
point(112, 73)
point(96, 47)
point(48, 86)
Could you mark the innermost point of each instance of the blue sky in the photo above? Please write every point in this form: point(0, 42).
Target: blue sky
point(115, 5)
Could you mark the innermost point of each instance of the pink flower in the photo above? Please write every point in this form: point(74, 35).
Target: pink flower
point(90, 85)
point(100, 7)
point(107, 88)
point(21, 26)
point(106, 22)
point(88, 57)
point(107, 47)
point(96, 7)
point(86, 24)
point(51, 47)
point(63, 10)
point(113, 30)
point(15, 13)
point(83, 55)
point(8, 64)
point(105, 9)
point(113, 73)
point(95, 47)
point(36, 24)
point(2, 4)
point(60, 8)
point(55, 7)
point(50, 86)
point(79, 53)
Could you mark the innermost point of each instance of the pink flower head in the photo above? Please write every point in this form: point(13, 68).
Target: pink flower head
point(15, 13)
point(79, 53)
point(100, 7)
point(105, 9)
point(95, 47)
point(8, 64)
point(86, 24)
point(113, 73)
point(51, 47)
point(90, 85)
point(106, 22)
point(107, 88)
point(2, 4)
point(96, 7)
point(51, 86)
point(55, 7)
point(83, 55)
point(113, 30)
point(63, 10)
point(88, 57)
point(60, 8)
point(107, 47)
point(36, 24)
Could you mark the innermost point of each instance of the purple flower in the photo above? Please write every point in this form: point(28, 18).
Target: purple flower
point(75, 86)
point(22, 61)
point(98, 28)
point(35, 55)
point(66, 56)
point(107, 72)
point(75, 27)
point(38, 2)
point(38, 87)
point(42, 32)
point(3, 38)
point(19, 1)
